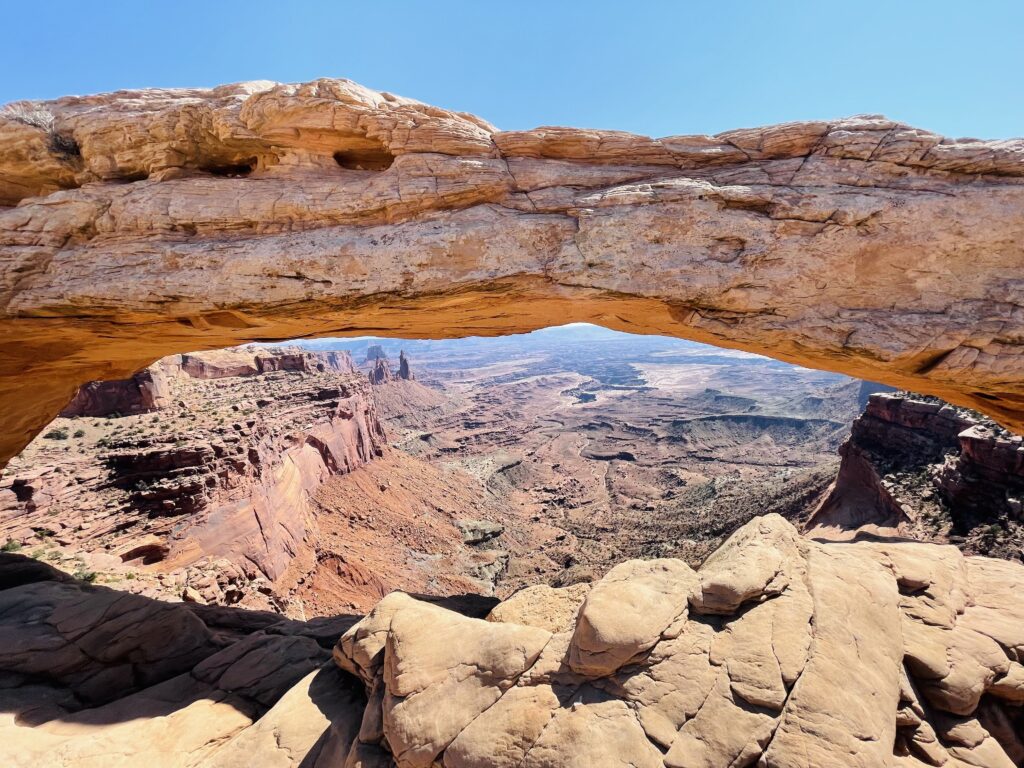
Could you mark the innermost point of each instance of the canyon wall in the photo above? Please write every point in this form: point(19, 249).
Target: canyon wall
point(140, 224)
point(923, 468)
point(145, 391)
point(222, 472)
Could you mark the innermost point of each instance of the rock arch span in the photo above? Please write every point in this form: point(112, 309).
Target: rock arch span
point(142, 223)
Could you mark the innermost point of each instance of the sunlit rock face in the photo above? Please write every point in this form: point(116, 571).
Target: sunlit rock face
point(919, 468)
point(145, 223)
point(224, 469)
point(778, 651)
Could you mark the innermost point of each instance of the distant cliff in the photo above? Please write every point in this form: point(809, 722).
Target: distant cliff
point(933, 471)
point(224, 468)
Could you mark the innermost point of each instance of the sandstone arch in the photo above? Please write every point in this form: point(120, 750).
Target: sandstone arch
point(143, 223)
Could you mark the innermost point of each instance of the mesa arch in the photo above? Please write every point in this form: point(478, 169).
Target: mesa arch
point(142, 223)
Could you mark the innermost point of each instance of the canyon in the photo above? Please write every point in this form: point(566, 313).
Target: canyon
point(497, 465)
point(217, 494)
point(450, 450)
point(308, 558)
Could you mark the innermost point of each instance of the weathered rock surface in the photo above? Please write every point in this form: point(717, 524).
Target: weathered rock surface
point(779, 651)
point(927, 470)
point(146, 391)
point(479, 531)
point(252, 361)
point(381, 372)
point(94, 677)
point(145, 223)
point(219, 478)
point(404, 368)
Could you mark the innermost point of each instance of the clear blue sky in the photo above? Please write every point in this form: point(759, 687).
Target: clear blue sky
point(656, 68)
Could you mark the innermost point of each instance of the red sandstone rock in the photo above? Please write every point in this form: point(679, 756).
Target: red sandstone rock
point(147, 223)
point(381, 372)
point(404, 369)
point(227, 472)
point(932, 471)
point(145, 391)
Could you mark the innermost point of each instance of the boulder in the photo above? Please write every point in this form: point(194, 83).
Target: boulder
point(778, 651)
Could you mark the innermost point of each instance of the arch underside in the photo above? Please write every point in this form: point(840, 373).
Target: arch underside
point(861, 246)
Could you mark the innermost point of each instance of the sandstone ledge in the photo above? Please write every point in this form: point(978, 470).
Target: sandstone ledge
point(145, 223)
point(777, 652)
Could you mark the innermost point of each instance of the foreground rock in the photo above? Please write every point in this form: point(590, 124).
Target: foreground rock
point(145, 223)
point(778, 651)
point(94, 677)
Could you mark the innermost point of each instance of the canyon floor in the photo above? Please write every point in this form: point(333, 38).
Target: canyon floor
point(613, 446)
point(500, 463)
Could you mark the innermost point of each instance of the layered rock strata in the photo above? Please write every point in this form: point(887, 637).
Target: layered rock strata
point(222, 473)
point(147, 390)
point(145, 223)
point(928, 470)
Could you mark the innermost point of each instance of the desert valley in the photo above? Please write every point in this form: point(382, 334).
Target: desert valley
point(483, 466)
point(311, 480)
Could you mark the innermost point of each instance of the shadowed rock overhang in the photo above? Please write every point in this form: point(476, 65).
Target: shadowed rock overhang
point(138, 224)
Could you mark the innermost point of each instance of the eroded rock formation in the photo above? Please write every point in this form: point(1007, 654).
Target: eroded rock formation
point(145, 223)
point(220, 476)
point(777, 652)
point(404, 368)
point(381, 372)
point(922, 468)
point(146, 391)
point(251, 361)
point(126, 681)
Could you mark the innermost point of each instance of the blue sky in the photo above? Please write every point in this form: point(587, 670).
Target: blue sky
point(656, 68)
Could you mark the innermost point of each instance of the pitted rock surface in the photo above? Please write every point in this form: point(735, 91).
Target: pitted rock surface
point(140, 224)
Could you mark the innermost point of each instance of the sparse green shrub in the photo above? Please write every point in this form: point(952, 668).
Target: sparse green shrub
point(10, 546)
point(59, 433)
point(79, 433)
point(83, 575)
